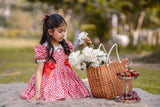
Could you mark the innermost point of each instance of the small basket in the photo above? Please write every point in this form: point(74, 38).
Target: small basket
point(104, 82)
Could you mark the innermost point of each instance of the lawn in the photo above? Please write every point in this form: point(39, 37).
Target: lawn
point(149, 80)
point(17, 64)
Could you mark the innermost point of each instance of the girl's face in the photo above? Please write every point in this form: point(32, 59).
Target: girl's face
point(58, 33)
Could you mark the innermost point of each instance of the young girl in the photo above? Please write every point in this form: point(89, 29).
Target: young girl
point(54, 78)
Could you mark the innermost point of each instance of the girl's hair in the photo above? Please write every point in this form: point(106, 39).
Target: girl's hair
point(51, 22)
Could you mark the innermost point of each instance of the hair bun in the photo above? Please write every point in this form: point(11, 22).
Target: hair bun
point(45, 17)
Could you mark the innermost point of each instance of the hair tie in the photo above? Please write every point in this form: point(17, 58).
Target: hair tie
point(45, 17)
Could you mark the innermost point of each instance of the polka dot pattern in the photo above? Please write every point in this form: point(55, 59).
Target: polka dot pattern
point(62, 82)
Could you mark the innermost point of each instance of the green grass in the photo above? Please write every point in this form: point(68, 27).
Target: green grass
point(16, 65)
point(149, 80)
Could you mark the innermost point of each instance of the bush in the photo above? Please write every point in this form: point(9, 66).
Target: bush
point(90, 29)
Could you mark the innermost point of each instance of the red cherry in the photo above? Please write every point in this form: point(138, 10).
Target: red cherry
point(130, 98)
point(129, 94)
point(135, 74)
point(137, 98)
point(122, 98)
point(121, 74)
point(135, 70)
point(126, 71)
point(133, 98)
point(129, 74)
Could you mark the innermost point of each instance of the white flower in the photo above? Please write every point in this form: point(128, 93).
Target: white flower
point(95, 64)
point(87, 54)
point(83, 65)
point(82, 36)
point(74, 59)
point(88, 57)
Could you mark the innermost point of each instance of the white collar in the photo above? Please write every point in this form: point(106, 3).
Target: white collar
point(58, 47)
point(45, 43)
point(55, 47)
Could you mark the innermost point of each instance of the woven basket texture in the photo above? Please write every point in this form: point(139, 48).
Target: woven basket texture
point(104, 82)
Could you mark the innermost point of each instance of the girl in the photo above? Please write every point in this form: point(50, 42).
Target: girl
point(54, 78)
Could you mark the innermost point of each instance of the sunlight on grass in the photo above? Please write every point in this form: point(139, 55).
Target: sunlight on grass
point(17, 42)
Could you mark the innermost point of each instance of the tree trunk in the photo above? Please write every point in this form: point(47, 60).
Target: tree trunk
point(138, 28)
point(76, 25)
point(75, 28)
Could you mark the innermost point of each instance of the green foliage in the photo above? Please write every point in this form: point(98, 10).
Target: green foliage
point(145, 47)
point(90, 29)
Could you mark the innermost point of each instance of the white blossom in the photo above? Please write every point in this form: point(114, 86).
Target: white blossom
point(82, 36)
point(74, 59)
point(88, 57)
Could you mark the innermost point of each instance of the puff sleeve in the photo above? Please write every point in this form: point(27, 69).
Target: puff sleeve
point(71, 47)
point(40, 53)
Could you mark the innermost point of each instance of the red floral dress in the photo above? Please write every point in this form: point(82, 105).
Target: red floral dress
point(58, 79)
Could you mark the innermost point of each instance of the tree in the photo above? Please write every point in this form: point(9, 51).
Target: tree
point(97, 13)
point(135, 12)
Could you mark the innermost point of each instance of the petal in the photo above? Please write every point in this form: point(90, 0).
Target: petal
point(81, 42)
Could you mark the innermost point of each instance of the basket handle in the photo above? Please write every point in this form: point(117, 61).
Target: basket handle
point(101, 45)
point(114, 45)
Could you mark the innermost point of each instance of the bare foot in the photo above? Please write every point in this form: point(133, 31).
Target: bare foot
point(36, 97)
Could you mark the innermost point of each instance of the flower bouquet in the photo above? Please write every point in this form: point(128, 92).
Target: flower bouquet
point(101, 71)
point(88, 57)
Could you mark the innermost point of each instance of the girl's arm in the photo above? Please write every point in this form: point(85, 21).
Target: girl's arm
point(38, 78)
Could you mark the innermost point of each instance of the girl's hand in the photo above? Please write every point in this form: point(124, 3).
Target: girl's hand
point(87, 41)
point(36, 97)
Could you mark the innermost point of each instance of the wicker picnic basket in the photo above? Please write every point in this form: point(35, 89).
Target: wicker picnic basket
point(103, 80)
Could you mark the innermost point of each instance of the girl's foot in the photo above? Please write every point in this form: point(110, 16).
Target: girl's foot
point(36, 97)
